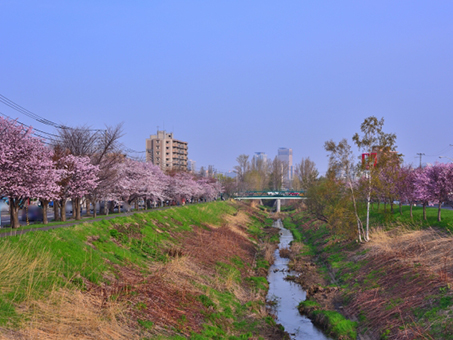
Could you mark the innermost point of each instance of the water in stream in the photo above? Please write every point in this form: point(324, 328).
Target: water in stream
point(288, 294)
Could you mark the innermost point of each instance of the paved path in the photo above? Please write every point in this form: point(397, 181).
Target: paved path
point(20, 231)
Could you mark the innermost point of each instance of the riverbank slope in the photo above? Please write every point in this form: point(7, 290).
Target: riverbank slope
point(189, 272)
point(397, 286)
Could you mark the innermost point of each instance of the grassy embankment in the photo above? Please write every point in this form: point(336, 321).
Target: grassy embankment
point(6, 228)
point(397, 286)
point(190, 272)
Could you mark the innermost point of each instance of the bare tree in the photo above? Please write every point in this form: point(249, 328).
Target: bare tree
point(241, 170)
point(79, 141)
point(278, 174)
point(103, 148)
point(375, 140)
point(341, 161)
point(307, 173)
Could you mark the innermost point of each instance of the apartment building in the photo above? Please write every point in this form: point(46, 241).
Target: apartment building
point(166, 152)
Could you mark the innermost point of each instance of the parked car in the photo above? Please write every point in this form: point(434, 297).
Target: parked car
point(34, 213)
point(4, 205)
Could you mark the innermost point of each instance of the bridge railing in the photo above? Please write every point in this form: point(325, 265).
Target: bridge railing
point(270, 193)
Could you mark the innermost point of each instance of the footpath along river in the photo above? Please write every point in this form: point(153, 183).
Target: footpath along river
point(288, 294)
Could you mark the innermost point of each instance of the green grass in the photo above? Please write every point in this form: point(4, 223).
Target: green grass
point(43, 260)
point(379, 218)
point(335, 323)
point(33, 225)
point(330, 254)
point(437, 315)
point(93, 250)
point(339, 326)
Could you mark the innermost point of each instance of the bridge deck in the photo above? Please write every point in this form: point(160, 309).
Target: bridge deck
point(270, 198)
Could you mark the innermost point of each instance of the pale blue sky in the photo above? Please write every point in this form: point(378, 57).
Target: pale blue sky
point(233, 77)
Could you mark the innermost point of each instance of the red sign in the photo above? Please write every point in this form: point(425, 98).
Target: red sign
point(367, 159)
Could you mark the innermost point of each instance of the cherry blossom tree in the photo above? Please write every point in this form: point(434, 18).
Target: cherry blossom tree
point(26, 169)
point(157, 187)
point(182, 186)
point(435, 183)
point(129, 181)
point(388, 178)
point(405, 185)
point(138, 180)
point(209, 188)
point(103, 148)
point(78, 178)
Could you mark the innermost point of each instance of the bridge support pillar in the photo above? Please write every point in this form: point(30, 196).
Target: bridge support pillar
point(278, 205)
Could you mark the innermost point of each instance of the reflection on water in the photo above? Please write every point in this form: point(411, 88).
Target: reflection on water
point(287, 295)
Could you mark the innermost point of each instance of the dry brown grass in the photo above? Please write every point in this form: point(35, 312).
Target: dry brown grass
point(268, 250)
point(285, 252)
point(238, 223)
point(21, 265)
point(429, 248)
point(71, 314)
point(164, 297)
point(404, 269)
point(170, 293)
point(240, 218)
point(211, 246)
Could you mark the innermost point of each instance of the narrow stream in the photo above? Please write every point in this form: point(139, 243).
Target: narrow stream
point(288, 294)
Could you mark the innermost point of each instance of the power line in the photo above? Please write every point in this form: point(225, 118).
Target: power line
point(28, 113)
point(33, 129)
point(34, 116)
point(44, 140)
point(133, 151)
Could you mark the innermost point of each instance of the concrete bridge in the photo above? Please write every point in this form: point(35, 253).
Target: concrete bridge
point(271, 195)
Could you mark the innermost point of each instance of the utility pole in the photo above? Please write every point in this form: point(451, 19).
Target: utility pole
point(420, 154)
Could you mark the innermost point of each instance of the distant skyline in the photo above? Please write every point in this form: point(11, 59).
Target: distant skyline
point(233, 77)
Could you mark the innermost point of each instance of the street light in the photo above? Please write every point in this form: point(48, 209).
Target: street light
point(451, 159)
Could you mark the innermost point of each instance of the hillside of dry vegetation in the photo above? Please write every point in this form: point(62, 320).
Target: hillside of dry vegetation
point(397, 286)
point(190, 272)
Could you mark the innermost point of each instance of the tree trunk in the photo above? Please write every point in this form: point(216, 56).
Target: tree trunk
point(411, 203)
point(136, 204)
point(378, 205)
point(93, 202)
point(439, 212)
point(56, 210)
point(87, 206)
point(424, 211)
point(77, 207)
point(63, 209)
point(106, 209)
point(74, 209)
point(44, 204)
point(14, 212)
point(401, 208)
point(111, 207)
point(26, 212)
point(391, 206)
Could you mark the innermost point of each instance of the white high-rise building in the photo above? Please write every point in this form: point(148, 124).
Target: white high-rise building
point(259, 156)
point(191, 165)
point(285, 155)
